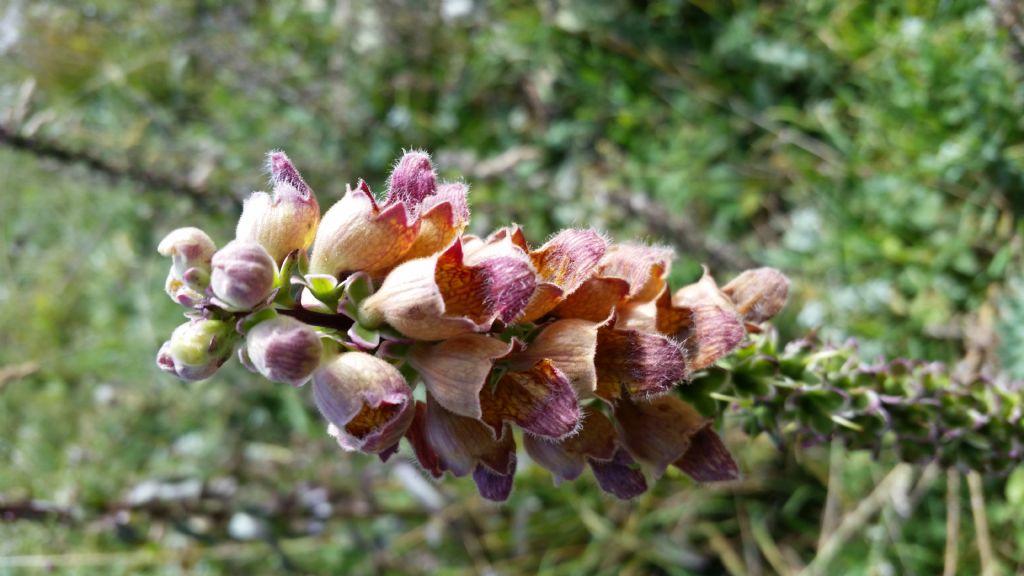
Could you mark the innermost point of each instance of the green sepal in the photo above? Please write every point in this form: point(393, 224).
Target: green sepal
point(363, 336)
point(412, 377)
point(286, 289)
point(325, 289)
point(247, 322)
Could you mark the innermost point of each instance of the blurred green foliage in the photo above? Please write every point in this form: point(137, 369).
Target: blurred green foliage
point(873, 151)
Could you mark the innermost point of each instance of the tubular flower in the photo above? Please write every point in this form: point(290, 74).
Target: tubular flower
point(667, 431)
point(578, 347)
point(596, 445)
point(417, 218)
point(464, 445)
point(627, 274)
point(537, 396)
point(286, 221)
point(563, 264)
point(444, 295)
point(366, 400)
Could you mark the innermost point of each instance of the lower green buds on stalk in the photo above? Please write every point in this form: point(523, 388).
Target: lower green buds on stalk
point(809, 393)
point(196, 349)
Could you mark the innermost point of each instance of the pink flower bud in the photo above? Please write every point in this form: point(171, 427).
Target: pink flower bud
point(417, 218)
point(286, 221)
point(412, 179)
point(284, 350)
point(243, 275)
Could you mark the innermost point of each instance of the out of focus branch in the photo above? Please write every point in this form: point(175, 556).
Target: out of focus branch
point(209, 504)
point(676, 228)
point(893, 487)
point(53, 151)
point(1010, 15)
point(17, 372)
point(33, 510)
point(680, 230)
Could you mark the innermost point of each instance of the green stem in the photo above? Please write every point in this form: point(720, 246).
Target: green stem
point(810, 393)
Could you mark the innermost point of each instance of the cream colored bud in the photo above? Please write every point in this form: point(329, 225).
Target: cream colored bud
point(188, 248)
point(286, 221)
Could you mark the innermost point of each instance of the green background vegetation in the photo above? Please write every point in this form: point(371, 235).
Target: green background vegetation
point(872, 150)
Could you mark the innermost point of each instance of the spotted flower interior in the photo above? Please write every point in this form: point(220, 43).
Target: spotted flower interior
point(464, 346)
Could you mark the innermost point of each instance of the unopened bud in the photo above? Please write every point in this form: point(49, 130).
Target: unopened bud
point(197, 349)
point(243, 275)
point(190, 250)
point(286, 221)
point(412, 179)
point(284, 350)
point(758, 294)
point(181, 292)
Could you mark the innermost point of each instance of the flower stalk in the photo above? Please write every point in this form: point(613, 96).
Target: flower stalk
point(809, 392)
point(579, 350)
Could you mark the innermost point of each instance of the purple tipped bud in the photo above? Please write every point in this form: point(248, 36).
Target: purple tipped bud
point(284, 350)
point(285, 221)
point(285, 177)
point(412, 179)
point(243, 275)
point(197, 349)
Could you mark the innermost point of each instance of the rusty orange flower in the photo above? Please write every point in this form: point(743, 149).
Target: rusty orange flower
point(468, 346)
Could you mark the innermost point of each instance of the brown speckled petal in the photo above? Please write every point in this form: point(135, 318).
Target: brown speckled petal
point(635, 363)
point(456, 370)
point(540, 400)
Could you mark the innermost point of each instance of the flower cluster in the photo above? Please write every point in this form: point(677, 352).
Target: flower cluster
point(410, 328)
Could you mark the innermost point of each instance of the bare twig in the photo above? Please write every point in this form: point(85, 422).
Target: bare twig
point(53, 151)
point(770, 550)
point(750, 549)
point(982, 535)
point(17, 372)
point(952, 522)
point(721, 546)
point(679, 228)
point(830, 515)
point(33, 510)
point(893, 487)
point(1010, 15)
